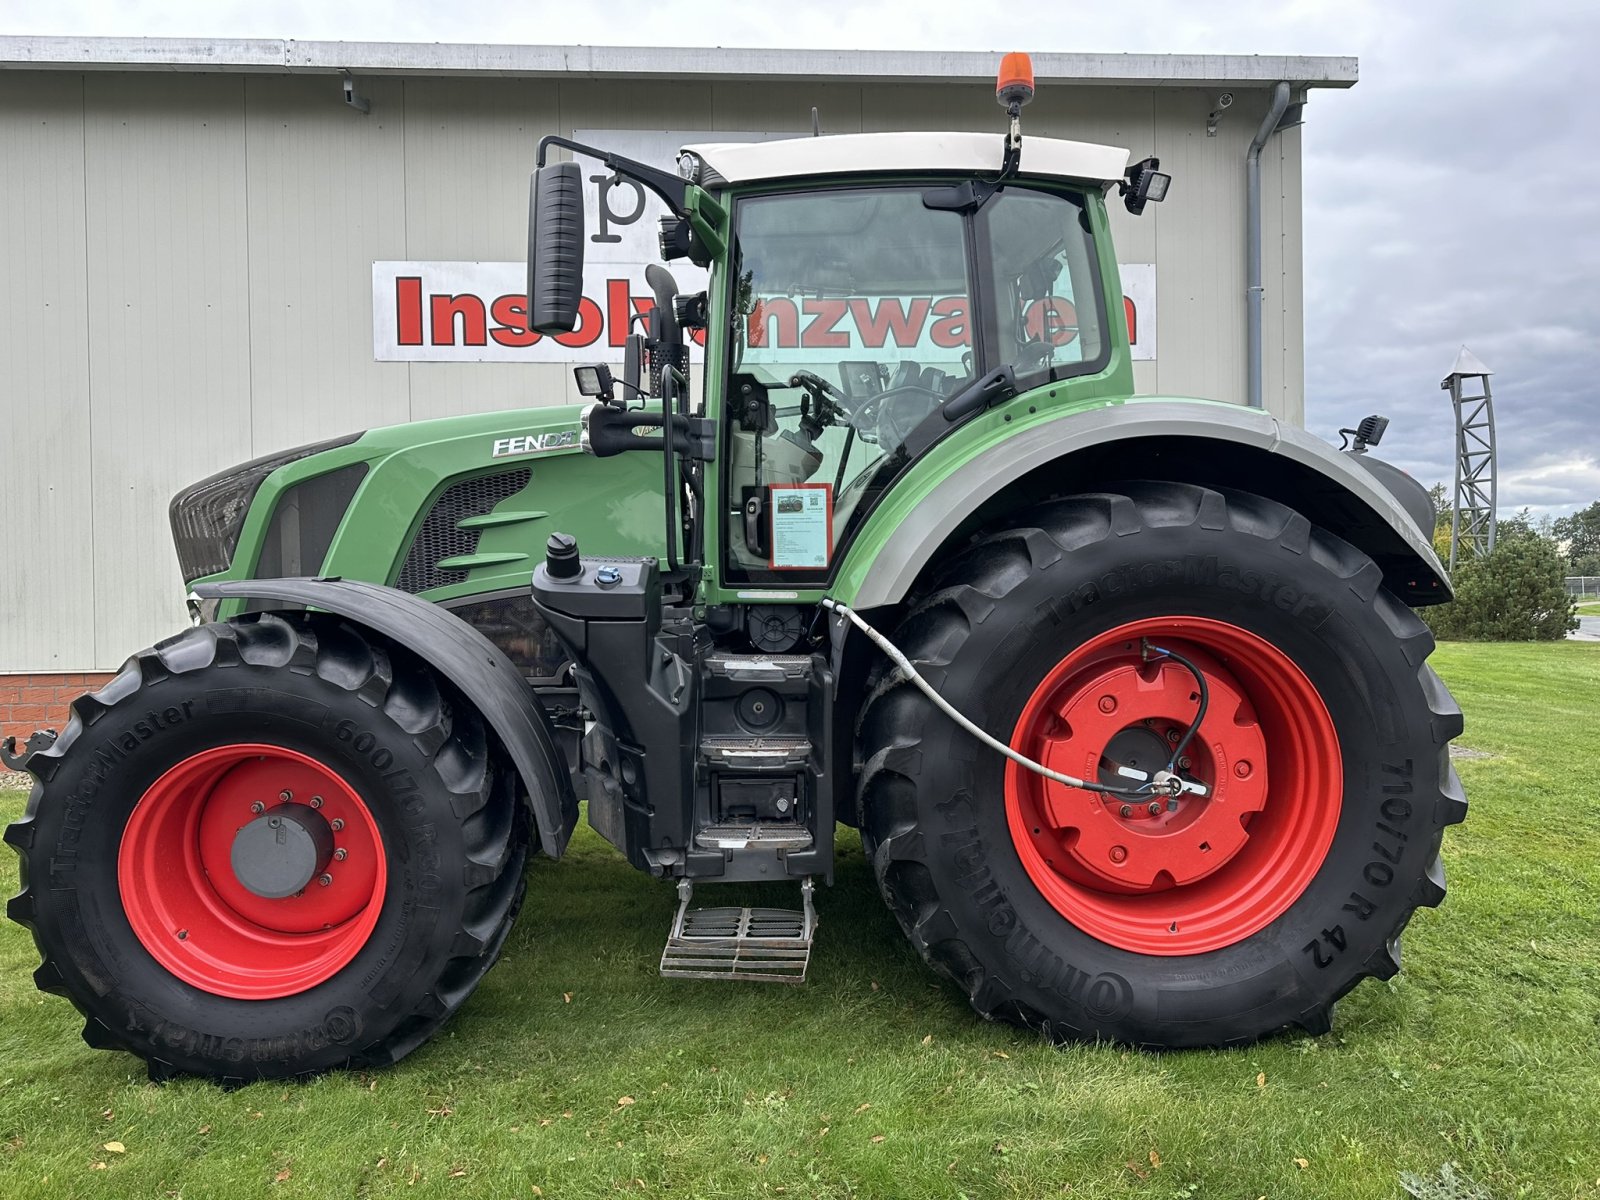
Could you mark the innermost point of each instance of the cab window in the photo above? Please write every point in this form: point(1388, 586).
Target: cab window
point(854, 322)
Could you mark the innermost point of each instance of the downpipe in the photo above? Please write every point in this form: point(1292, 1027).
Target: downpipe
point(1252, 239)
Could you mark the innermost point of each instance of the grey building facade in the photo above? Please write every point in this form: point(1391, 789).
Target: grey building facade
point(193, 233)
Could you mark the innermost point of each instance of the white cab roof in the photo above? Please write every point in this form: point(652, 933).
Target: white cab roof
point(854, 153)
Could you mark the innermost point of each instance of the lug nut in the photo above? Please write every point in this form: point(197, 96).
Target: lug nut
point(256, 806)
point(316, 802)
point(286, 796)
point(1108, 704)
point(1172, 736)
point(1118, 854)
point(1127, 810)
point(336, 824)
point(1155, 808)
point(324, 879)
point(341, 854)
point(1183, 763)
point(1242, 768)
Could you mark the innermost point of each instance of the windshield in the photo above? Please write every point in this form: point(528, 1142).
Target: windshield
point(854, 323)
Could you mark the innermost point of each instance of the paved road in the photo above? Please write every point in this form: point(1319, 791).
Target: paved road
point(1588, 630)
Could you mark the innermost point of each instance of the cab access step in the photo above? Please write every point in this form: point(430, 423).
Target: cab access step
point(763, 945)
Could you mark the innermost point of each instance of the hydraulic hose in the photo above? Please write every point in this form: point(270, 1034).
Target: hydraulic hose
point(1171, 786)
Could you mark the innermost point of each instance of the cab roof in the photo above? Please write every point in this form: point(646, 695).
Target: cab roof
point(722, 163)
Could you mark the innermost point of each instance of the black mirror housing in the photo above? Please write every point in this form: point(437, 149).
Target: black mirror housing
point(555, 247)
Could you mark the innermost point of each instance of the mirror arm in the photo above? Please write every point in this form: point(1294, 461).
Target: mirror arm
point(669, 187)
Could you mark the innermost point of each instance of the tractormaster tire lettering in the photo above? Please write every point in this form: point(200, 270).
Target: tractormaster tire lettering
point(453, 832)
point(998, 616)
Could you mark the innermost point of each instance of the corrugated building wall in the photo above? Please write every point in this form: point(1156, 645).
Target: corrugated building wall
point(188, 264)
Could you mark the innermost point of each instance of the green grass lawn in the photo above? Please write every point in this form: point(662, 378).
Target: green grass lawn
point(576, 1071)
point(1589, 608)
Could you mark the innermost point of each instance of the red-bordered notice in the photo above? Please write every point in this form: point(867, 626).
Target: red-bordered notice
point(802, 526)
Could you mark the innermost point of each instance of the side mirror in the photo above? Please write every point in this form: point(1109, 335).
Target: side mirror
point(555, 247)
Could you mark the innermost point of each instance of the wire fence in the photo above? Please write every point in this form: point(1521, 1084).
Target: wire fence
point(1585, 587)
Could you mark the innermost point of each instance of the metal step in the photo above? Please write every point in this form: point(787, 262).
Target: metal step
point(754, 835)
point(756, 753)
point(767, 945)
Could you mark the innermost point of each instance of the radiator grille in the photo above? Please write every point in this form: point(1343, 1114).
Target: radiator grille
point(441, 535)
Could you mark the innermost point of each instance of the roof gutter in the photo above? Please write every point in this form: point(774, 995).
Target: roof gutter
point(1252, 238)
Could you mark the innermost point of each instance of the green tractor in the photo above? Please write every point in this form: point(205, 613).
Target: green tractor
point(1125, 695)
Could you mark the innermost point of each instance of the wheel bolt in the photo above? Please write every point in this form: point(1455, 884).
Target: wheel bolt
point(341, 854)
point(336, 824)
point(325, 879)
point(1155, 808)
point(1127, 810)
point(1242, 768)
point(1118, 854)
point(1183, 763)
point(316, 802)
point(256, 806)
point(1108, 704)
point(1172, 736)
point(286, 796)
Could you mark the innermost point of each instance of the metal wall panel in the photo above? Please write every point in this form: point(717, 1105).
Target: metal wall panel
point(470, 148)
point(325, 199)
point(47, 483)
point(189, 263)
point(169, 326)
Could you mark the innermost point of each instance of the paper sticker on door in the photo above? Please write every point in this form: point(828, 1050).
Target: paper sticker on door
point(802, 526)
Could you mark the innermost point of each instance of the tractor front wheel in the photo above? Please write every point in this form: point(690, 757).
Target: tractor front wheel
point(268, 848)
point(1246, 905)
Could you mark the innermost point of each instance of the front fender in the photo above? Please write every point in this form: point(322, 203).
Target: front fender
point(470, 661)
point(939, 500)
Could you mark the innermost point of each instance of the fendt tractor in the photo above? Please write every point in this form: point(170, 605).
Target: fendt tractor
point(1125, 695)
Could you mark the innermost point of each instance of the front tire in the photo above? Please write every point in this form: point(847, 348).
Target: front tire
point(1237, 914)
point(269, 848)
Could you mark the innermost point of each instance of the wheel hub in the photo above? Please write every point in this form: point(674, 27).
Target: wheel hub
point(280, 852)
point(252, 871)
point(1204, 869)
point(1131, 713)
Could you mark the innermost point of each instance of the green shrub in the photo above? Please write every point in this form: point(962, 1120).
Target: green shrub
point(1515, 594)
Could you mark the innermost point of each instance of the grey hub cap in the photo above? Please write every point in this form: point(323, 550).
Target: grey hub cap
point(281, 851)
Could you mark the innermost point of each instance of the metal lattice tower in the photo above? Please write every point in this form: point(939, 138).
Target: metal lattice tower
point(1472, 528)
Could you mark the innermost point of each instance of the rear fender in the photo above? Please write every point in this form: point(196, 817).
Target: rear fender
point(470, 661)
point(939, 504)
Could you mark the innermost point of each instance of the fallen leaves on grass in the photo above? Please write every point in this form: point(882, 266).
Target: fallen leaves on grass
point(1261, 1079)
point(1133, 1165)
point(444, 1110)
point(116, 1148)
point(566, 997)
point(1302, 1163)
point(1155, 1159)
point(876, 1138)
point(928, 1041)
point(626, 1101)
point(861, 1108)
point(282, 1176)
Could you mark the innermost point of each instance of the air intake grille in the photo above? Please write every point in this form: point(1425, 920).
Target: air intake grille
point(441, 535)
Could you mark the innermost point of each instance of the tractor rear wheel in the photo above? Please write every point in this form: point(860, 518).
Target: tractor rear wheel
point(1212, 919)
point(268, 848)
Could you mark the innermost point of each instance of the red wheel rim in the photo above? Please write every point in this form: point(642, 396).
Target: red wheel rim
point(1217, 869)
point(197, 918)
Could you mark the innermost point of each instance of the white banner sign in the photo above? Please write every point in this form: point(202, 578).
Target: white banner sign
point(426, 311)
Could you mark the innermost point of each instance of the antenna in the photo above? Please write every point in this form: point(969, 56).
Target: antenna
point(816, 122)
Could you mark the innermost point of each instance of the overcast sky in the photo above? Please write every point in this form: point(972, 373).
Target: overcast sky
point(1452, 196)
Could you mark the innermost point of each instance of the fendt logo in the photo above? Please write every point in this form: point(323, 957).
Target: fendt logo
point(535, 443)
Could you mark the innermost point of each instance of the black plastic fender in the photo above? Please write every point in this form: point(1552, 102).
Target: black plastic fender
point(470, 661)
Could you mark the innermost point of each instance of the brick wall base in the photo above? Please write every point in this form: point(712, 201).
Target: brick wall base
point(39, 701)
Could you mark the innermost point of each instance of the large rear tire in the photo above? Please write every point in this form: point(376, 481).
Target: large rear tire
point(269, 848)
point(1221, 918)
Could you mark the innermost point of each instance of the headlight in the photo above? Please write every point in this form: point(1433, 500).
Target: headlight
point(208, 516)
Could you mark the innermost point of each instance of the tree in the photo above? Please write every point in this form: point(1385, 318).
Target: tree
point(1581, 534)
point(1517, 593)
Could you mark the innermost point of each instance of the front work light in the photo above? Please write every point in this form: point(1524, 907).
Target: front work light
point(1144, 182)
point(594, 380)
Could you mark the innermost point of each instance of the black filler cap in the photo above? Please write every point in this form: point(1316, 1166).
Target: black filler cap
point(561, 557)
